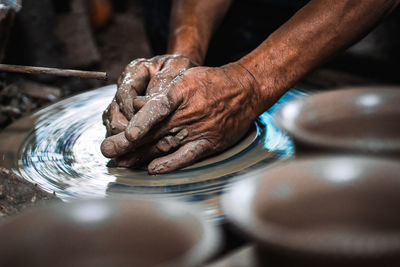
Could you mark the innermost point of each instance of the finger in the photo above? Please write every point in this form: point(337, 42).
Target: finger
point(108, 127)
point(134, 159)
point(159, 81)
point(142, 156)
point(106, 113)
point(171, 68)
point(140, 101)
point(147, 153)
point(117, 121)
point(133, 82)
point(116, 145)
point(184, 156)
point(106, 120)
point(154, 111)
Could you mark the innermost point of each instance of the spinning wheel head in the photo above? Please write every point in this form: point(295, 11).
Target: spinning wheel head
point(58, 148)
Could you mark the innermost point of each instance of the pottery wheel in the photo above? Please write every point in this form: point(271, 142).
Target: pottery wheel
point(58, 148)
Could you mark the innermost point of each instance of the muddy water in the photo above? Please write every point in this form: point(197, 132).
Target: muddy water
point(58, 148)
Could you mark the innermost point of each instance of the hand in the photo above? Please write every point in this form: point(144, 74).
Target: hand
point(201, 112)
point(141, 79)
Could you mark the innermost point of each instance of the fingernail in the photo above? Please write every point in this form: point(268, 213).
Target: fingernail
point(108, 149)
point(155, 168)
point(182, 134)
point(133, 134)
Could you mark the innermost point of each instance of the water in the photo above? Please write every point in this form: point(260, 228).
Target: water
point(58, 148)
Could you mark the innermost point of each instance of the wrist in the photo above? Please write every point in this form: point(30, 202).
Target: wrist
point(274, 69)
point(244, 79)
point(186, 41)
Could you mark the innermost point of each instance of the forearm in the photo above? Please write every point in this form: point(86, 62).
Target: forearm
point(315, 33)
point(192, 24)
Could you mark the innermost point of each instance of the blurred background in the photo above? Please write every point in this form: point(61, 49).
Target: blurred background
point(106, 35)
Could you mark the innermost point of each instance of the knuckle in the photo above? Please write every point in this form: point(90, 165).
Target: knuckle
point(136, 62)
point(123, 145)
point(131, 132)
point(185, 61)
point(163, 146)
point(119, 96)
point(203, 145)
point(175, 93)
point(157, 58)
point(113, 106)
point(162, 104)
point(127, 78)
point(182, 134)
point(105, 113)
point(172, 141)
point(105, 119)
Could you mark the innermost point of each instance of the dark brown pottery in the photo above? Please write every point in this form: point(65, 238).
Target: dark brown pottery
point(358, 120)
point(108, 233)
point(329, 210)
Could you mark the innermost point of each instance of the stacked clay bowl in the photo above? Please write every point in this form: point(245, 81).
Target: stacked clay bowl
point(335, 203)
point(357, 120)
point(326, 211)
point(108, 233)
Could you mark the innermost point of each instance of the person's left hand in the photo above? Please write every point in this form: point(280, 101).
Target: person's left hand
point(201, 112)
point(140, 79)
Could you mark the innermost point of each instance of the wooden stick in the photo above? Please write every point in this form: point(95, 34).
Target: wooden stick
point(54, 71)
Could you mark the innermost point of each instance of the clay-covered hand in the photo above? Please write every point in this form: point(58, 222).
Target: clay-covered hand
point(201, 112)
point(140, 80)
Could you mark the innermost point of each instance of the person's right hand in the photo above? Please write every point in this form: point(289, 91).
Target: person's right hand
point(141, 79)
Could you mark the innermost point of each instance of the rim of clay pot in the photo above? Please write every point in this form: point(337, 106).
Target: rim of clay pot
point(296, 116)
point(238, 203)
point(202, 250)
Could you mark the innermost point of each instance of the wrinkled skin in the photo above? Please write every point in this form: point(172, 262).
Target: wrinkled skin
point(172, 115)
point(140, 80)
point(202, 111)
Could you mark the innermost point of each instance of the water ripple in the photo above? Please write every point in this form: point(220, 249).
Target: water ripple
point(61, 154)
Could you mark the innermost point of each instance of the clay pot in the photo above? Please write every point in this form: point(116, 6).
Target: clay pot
point(326, 211)
point(357, 120)
point(108, 233)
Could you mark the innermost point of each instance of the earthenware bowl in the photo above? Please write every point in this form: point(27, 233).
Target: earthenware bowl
point(361, 120)
point(334, 207)
point(108, 233)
